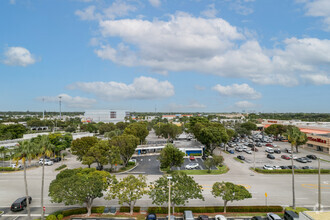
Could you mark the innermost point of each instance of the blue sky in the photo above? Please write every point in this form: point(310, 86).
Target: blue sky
point(189, 55)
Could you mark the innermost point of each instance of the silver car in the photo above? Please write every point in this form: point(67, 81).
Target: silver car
point(192, 166)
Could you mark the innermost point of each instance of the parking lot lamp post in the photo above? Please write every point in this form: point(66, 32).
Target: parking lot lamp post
point(293, 193)
point(319, 185)
point(169, 197)
point(254, 157)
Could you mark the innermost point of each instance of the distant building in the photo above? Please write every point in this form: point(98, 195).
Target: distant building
point(106, 116)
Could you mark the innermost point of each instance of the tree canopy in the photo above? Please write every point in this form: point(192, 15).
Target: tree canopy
point(183, 188)
point(79, 186)
point(229, 192)
point(81, 146)
point(295, 137)
point(138, 129)
point(126, 144)
point(171, 156)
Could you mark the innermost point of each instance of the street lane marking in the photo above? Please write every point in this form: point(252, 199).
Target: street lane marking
point(315, 186)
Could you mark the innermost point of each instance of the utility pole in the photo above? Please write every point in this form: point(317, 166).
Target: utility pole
point(43, 106)
point(60, 102)
point(319, 185)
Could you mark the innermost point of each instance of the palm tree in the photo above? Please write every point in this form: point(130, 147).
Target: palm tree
point(3, 152)
point(295, 138)
point(45, 149)
point(26, 150)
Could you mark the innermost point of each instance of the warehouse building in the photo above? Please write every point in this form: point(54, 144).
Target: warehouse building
point(105, 116)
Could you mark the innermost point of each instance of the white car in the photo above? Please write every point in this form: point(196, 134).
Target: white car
point(18, 166)
point(277, 168)
point(272, 216)
point(247, 151)
point(47, 162)
point(268, 167)
point(192, 166)
point(220, 217)
point(294, 157)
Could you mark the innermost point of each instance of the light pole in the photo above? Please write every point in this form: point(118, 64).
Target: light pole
point(319, 186)
point(293, 192)
point(254, 157)
point(60, 97)
point(169, 197)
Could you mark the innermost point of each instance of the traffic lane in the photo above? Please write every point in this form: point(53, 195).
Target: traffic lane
point(148, 165)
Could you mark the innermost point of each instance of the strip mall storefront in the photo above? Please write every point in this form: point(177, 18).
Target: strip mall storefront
point(319, 142)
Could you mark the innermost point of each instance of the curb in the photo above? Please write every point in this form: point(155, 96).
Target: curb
point(128, 170)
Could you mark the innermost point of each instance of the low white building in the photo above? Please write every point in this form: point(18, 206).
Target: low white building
point(106, 116)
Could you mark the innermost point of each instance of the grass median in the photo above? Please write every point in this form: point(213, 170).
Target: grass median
point(221, 170)
point(241, 161)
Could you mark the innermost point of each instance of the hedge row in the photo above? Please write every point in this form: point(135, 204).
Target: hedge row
point(60, 167)
point(78, 211)
point(7, 169)
point(127, 209)
point(300, 171)
point(297, 210)
point(195, 154)
point(214, 209)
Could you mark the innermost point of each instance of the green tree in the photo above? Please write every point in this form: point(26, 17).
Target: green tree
point(60, 141)
point(171, 156)
point(98, 153)
point(183, 188)
point(79, 186)
point(113, 133)
point(106, 127)
point(81, 146)
point(138, 129)
point(231, 133)
point(245, 128)
point(121, 125)
point(26, 150)
point(113, 156)
point(212, 137)
point(127, 145)
point(276, 129)
point(12, 131)
point(129, 190)
point(169, 130)
point(229, 192)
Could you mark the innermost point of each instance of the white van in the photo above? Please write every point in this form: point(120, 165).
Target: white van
point(188, 215)
point(269, 150)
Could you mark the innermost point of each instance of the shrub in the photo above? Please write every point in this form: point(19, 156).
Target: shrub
point(60, 167)
point(60, 217)
point(297, 210)
point(127, 209)
point(7, 169)
point(254, 209)
point(98, 209)
point(51, 217)
point(195, 154)
point(130, 163)
point(74, 212)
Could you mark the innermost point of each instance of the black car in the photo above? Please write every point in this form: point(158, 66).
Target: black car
point(307, 167)
point(311, 156)
point(241, 157)
point(284, 167)
point(56, 159)
point(151, 216)
point(307, 159)
point(203, 217)
point(294, 166)
point(20, 204)
point(270, 156)
point(290, 215)
point(257, 218)
point(278, 151)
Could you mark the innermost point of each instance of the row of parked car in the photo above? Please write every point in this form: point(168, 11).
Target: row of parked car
point(270, 167)
point(188, 215)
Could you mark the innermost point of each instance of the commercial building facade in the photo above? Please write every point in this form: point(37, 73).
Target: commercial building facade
point(106, 116)
point(319, 142)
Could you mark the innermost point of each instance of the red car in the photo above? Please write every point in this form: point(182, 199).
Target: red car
point(192, 158)
point(269, 145)
point(285, 157)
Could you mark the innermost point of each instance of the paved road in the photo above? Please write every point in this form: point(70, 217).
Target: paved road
point(278, 187)
point(147, 165)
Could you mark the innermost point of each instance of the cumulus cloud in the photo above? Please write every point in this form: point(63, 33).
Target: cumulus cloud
point(210, 11)
point(318, 79)
point(116, 9)
point(18, 56)
point(181, 107)
point(72, 102)
point(155, 3)
point(141, 88)
point(237, 90)
point(212, 46)
point(244, 105)
point(318, 8)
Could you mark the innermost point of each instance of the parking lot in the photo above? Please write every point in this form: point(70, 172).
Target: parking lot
point(197, 160)
point(261, 156)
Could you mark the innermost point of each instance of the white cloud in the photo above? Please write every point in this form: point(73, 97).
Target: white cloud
point(242, 7)
point(72, 102)
point(141, 88)
point(212, 46)
point(210, 11)
point(18, 56)
point(237, 90)
point(116, 9)
point(182, 107)
point(318, 8)
point(244, 105)
point(155, 3)
point(318, 79)
point(12, 2)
